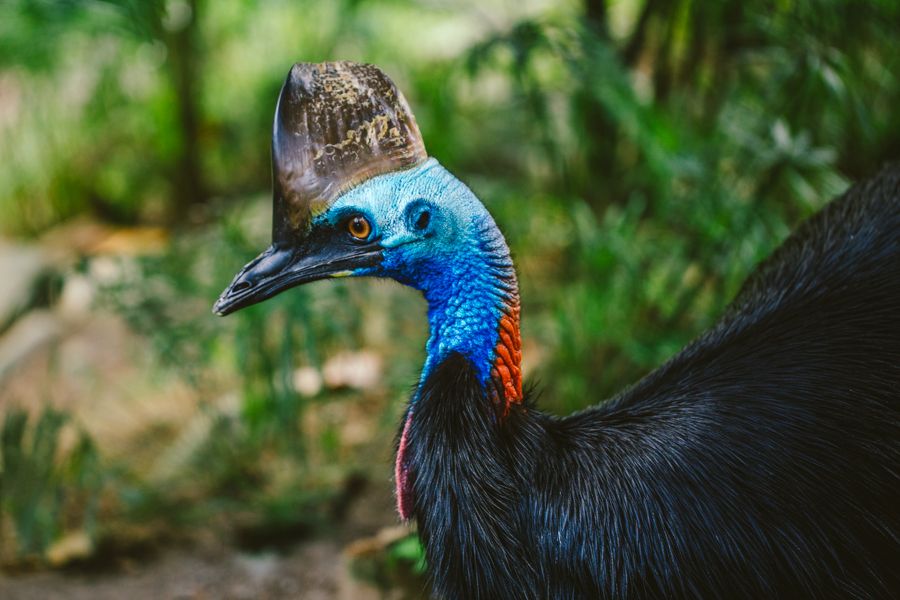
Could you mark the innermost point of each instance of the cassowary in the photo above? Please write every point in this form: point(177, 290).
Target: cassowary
point(762, 461)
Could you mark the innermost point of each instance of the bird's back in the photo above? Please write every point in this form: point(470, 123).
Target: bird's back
point(764, 459)
point(761, 461)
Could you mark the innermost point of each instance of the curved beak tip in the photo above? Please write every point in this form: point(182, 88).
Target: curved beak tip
point(237, 295)
point(280, 268)
point(217, 309)
point(221, 306)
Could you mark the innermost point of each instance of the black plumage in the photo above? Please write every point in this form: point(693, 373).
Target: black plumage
point(763, 460)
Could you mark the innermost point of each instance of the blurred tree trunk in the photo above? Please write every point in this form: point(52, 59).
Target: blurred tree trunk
point(600, 130)
point(724, 48)
point(596, 17)
point(189, 189)
point(689, 72)
point(638, 38)
point(663, 60)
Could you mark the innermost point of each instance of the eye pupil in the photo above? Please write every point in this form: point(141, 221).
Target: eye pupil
point(359, 227)
point(423, 220)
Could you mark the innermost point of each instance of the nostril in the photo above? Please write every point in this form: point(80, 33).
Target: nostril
point(240, 286)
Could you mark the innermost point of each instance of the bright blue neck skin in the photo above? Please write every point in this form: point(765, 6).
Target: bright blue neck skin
point(455, 255)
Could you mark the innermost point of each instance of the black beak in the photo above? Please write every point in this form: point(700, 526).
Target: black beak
point(282, 267)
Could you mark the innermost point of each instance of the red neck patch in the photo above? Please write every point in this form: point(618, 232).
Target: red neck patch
point(506, 373)
point(402, 476)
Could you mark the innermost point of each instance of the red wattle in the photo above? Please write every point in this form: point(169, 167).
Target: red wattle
point(402, 480)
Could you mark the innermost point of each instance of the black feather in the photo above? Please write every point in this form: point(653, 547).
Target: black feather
point(761, 461)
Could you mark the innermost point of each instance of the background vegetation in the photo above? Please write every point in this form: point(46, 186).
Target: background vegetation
point(640, 155)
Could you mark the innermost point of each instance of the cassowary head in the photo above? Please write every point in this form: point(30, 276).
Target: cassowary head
point(356, 194)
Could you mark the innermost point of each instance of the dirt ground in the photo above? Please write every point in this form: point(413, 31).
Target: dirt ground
point(319, 569)
point(315, 571)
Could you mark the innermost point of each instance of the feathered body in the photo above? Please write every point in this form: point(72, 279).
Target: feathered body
point(761, 461)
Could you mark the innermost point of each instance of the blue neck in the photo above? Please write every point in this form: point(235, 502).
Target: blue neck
point(466, 298)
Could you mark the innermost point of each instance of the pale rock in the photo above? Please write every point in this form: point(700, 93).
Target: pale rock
point(258, 567)
point(106, 270)
point(358, 370)
point(75, 545)
point(307, 381)
point(22, 271)
point(29, 334)
point(77, 296)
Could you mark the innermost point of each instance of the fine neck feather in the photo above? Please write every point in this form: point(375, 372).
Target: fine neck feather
point(473, 310)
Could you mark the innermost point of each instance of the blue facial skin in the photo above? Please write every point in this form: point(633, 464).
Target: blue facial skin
point(438, 238)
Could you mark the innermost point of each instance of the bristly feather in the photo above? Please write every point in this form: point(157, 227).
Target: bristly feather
point(761, 461)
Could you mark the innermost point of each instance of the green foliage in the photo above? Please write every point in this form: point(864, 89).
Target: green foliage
point(397, 565)
point(43, 486)
point(409, 550)
point(640, 156)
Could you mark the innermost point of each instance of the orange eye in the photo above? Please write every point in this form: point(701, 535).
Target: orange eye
point(359, 227)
